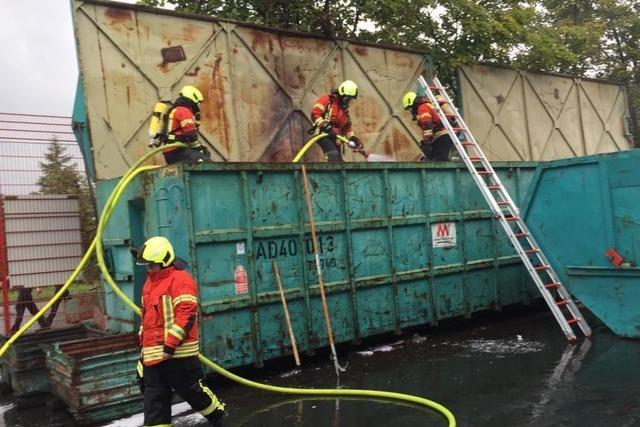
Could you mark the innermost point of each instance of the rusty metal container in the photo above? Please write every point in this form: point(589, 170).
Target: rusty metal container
point(402, 244)
point(24, 361)
point(96, 377)
point(259, 84)
point(520, 115)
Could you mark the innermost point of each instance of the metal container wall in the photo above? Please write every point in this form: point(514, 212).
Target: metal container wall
point(578, 209)
point(96, 377)
point(42, 242)
point(401, 245)
point(519, 115)
point(259, 84)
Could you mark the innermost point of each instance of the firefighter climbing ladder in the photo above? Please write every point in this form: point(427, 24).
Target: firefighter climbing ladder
point(505, 210)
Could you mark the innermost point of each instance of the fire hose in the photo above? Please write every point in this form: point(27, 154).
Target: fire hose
point(96, 246)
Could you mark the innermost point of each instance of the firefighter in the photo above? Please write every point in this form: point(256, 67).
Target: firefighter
point(436, 142)
point(330, 115)
point(183, 125)
point(169, 338)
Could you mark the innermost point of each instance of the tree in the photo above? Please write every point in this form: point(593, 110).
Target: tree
point(60, 176)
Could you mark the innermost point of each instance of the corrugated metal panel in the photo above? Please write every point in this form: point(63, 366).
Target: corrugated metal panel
point(42, 239)
point(96, 377)
point(259, 84)
point(35, 222)
point(382, 268)
point(521, 115)
point(25, 359)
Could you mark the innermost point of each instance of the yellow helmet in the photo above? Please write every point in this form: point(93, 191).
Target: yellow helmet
point(156, 250)
point(408, 99)
point(191, 93)
point(348, 88)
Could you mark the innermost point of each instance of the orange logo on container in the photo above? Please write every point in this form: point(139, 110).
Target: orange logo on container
point(443, 230)
point(242, 283)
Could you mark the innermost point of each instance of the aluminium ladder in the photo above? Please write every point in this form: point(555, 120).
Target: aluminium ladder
point(505, 210)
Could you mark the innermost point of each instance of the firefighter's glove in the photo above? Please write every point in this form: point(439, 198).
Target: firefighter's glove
point(325, 127)
point(355, 144)
point(139, 376)
point(154, 143)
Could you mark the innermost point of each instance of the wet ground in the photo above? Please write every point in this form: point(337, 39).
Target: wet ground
point(510, 369)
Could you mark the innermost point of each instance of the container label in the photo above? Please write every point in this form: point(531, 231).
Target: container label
point(443, 235)
point(269, 249)
point(240, 277)
point(240, 248)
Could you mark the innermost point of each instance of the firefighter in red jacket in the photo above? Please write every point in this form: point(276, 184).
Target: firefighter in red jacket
point(330, 115)
point(169, 338)
point(436, 142)
point(183, 127)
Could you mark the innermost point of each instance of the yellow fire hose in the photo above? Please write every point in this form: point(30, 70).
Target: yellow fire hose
point(317, 138)
point(96, 246)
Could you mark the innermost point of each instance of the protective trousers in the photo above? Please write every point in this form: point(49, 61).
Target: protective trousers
point(188, 155)
point(330, 149)
point(185, 377)
point(438, 150)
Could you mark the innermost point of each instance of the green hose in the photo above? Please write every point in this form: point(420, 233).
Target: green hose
point(96, 245)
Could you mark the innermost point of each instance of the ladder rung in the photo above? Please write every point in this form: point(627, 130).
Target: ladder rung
point(458, 129)
point(435, 87)
point(572, 321)
point(494, 187)
point(562, 302)
point(467, 143)
point(552, 285)
point(503, 203)
point(511, 218)
point(518, 235)
point(541, 267)
point(531, 251)
point(475, 159)
point(485, 172)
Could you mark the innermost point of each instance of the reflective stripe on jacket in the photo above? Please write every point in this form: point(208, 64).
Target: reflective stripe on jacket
point(169, 316)
point(328, 108)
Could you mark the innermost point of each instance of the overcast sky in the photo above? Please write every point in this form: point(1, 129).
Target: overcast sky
point(39, 68)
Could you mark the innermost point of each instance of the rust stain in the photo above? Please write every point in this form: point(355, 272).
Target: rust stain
point(214, 116)
point(258, 40)
point(193, 73)
point(118, 15)
point(190, 32)
point(361, 50)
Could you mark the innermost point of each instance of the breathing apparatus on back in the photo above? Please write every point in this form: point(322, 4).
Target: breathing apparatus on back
point(161, 117)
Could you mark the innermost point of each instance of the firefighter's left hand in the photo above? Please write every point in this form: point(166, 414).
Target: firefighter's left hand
point(355, 144)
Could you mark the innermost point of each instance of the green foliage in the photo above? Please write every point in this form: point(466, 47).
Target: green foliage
point(60, 176)
point(589, 38)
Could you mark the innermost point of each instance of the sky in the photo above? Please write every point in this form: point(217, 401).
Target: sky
point(39, 69)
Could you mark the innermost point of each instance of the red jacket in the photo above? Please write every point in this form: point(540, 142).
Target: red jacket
point(182, 126)
point(328, 108)
point(428, 119)
point(169, 316)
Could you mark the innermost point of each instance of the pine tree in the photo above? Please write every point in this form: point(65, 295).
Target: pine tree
point(60, 176)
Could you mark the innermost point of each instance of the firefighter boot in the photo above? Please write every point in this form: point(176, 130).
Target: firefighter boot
point(215, 418)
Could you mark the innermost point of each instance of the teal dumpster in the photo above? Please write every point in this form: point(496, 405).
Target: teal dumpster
point(584, 213)
point(401, 244)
